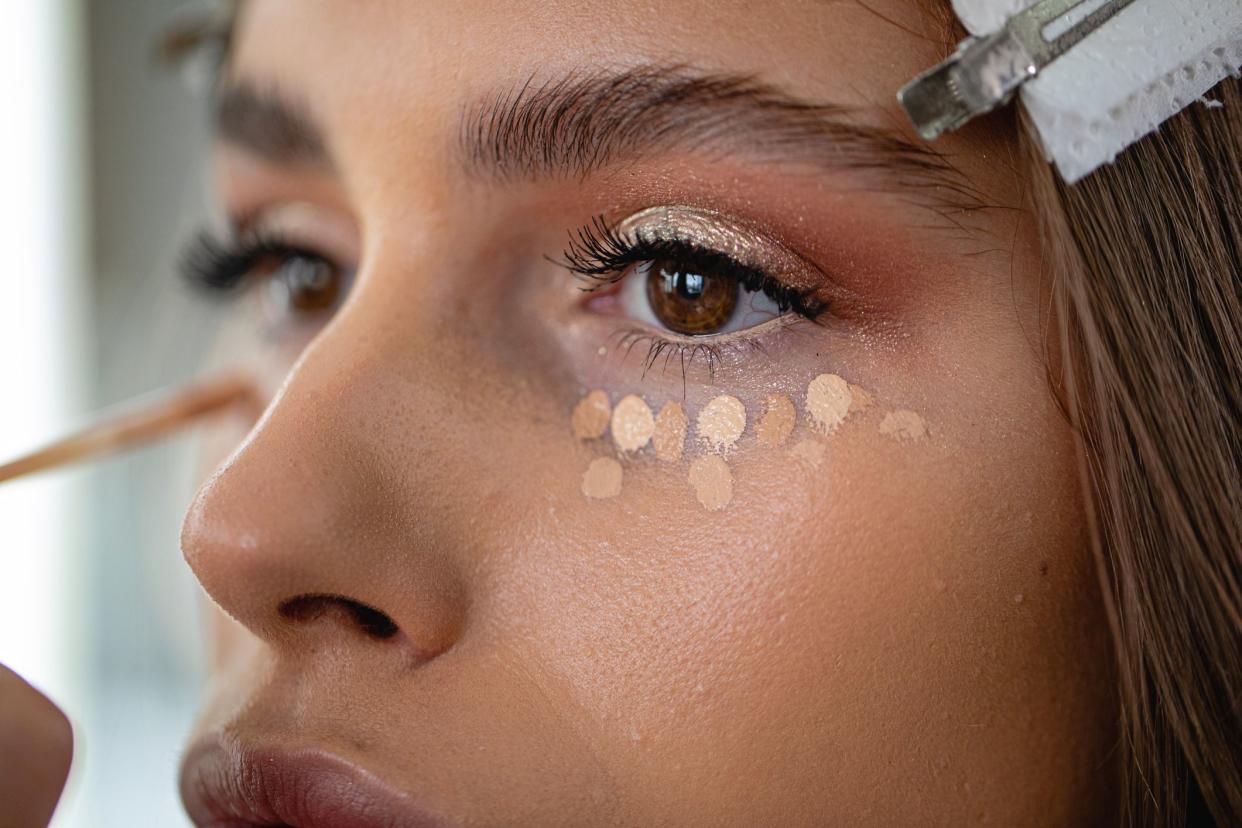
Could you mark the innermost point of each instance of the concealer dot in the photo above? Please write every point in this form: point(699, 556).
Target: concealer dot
point(602, 478)
point(777, 421)
point(809, 453)
point(712, 481)
point(632, 424)
point(590, 416)
point(903, 425)
point(670, 432)
point(828, 402)
point(860, 399)
point(721, 422)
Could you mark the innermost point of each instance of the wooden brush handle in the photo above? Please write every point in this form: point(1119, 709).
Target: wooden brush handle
point(137, 424)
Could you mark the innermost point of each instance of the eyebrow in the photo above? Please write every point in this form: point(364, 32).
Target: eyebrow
point(271, 125)
point(578, 124)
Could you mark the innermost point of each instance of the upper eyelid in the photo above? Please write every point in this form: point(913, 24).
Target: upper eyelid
point(711, 230)
point(304, 223)
point(700, 228)
point(607, 272)
point(601, 253)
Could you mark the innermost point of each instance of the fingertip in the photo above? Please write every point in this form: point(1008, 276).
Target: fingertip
point(36, 752)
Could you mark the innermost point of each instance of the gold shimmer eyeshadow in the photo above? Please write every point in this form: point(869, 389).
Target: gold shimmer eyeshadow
point(828, 400)
point(602, 478)
point(777, 422)
point(709, 230)
point(591, 415)
point(903, 425)
point(721, 422)
point(670, 432)
point(632, 424)
point(712, 481)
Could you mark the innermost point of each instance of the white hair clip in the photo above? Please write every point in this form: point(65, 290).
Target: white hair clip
point(1095, 75)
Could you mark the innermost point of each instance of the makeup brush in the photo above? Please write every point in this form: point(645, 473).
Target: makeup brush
point(139, 422)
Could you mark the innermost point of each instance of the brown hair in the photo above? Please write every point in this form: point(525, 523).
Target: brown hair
point(1144, 258)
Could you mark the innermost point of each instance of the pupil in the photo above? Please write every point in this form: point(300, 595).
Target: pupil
point(307, 285)
point(689, 285)
point(693, 302)
point(307, 276)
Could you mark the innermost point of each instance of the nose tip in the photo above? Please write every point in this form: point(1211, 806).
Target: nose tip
point(317, 526)
point(282, 551)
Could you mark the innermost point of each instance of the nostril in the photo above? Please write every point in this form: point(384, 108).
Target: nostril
point(373, 622)
point(369, 620)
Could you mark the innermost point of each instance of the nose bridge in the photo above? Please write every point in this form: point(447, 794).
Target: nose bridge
point(324, 505)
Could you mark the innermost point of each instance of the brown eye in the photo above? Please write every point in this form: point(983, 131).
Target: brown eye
point(304, 285)
point(690, 300)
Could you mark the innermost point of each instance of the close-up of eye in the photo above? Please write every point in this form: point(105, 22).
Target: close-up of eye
point(693, 296)
point(689, 272)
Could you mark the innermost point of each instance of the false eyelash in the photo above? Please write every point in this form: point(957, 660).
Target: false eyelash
point(222, 266)
point(600, 254)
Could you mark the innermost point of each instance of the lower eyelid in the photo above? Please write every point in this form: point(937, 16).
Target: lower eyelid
point(692, 359)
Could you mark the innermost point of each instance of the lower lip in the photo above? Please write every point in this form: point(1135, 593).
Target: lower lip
point(228, 785)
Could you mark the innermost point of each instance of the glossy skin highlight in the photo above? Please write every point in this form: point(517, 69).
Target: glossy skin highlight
point(838, 646)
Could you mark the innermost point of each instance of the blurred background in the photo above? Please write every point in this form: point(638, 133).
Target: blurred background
point(102, 170)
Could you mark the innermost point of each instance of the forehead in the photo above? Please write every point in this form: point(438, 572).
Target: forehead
point(388, 81)
point(347, 57)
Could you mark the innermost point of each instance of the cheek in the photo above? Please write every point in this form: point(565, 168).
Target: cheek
point(877, 590)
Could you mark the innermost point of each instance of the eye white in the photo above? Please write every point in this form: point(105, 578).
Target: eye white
point(753, 308)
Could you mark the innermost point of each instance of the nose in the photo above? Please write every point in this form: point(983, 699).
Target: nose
point(317, 527)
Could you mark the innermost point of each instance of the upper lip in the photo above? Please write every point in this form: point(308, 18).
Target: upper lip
point(225, 784)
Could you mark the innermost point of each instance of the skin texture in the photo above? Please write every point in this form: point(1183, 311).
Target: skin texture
point(843, 644)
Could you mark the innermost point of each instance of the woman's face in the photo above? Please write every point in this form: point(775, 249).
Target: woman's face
point(448, 601)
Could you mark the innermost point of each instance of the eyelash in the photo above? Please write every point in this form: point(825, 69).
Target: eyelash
point(223, 266)
point(602, 256)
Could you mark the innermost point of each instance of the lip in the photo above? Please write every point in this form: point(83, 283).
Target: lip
point(226, 784)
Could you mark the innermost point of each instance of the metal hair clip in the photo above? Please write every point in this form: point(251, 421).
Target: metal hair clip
point(985, 72)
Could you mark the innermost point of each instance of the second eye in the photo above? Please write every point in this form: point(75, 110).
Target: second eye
point(304, 284)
